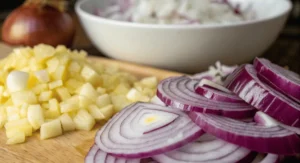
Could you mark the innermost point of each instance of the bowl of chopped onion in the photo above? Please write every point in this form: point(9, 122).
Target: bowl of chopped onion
point(183, 35)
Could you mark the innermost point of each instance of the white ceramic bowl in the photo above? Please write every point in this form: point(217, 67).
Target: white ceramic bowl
point(183, 47)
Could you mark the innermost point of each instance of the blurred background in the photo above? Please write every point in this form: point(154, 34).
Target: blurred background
point(285, 51)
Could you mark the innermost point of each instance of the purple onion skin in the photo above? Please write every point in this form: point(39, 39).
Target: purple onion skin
point(263, 97)
point(278, 81)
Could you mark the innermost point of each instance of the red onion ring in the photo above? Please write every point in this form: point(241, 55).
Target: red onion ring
point(179, 92)
point(211, 151)
point(245, 83)
point(128, 135)
point(276, 140)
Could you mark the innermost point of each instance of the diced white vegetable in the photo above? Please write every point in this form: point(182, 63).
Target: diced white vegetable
point(17, 81)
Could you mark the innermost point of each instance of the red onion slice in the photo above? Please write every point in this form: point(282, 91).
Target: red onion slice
point(143, 129)
point(216, 92)
point(276, 140)
point(245, 83)
point(89, 158)
point(264, 119)
point(179, 92)
point(211, 151)
point(279, 78)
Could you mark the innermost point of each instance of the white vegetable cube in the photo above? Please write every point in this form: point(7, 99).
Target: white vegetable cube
point(67, 107)
point(54, 110)
point(134, 95)
point(22, 125)
point(101, 90)
point(55, 84)
point(90, 75)
point(73, 84)
point(64, 58)
point(63, 93)
point(74, 67)
point(150, 82)
point(17, 81)
point(21, 97)
point(60, 73)
point(45, 106)
point(43, 52)
point(95, 112)
point(103, 100)
point(148, 92)
point(83, 120)
point(19, 137)
point(107, 111)
point(40, 88)
point(23, 110)
point(87, 90)
point(51, 129)
point(26, 129)
point(35, 65)
point(121, 89)
point(45, 96)
point(52, 64)
point(84, 102)
point(12, 113)
point(119, 102)
point(42, 76)
point(67, 122)
point(35, 116)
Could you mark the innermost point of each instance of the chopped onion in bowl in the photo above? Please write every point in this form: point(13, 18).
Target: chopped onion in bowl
point(175, 12)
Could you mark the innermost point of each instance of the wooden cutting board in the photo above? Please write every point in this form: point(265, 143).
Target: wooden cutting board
point(70, 147)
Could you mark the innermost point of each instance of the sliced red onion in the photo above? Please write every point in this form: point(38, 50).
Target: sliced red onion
point(89, 158)
point(143, 129)
point(245, 83)
point(276, 140)
point(269, 158)
point(216, 92)
point(179, 92)
point(266, 120)
point(279, 78)
point(211, 151)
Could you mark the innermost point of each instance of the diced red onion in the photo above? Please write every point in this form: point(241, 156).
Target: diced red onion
point(266, 120)
point(279, 78)
point(142, 130)
point(276, 140)
point(179, 92)
point(245, 83)
point(211, 151)
point(216, 92)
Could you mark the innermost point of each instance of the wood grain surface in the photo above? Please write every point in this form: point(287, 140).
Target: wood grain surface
point(70, 147)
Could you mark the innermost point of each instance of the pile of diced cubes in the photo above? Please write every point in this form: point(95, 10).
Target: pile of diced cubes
point(56, 90)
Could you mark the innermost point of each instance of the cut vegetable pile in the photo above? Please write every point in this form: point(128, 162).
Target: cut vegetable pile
point(56, 90)
point(171, 128)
